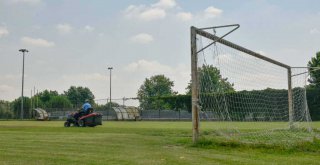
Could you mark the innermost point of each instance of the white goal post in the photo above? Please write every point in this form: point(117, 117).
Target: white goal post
point(212, 40)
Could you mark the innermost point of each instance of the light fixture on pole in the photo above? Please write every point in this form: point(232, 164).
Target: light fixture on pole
point(23, 52)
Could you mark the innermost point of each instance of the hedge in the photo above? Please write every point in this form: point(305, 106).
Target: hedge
point(262, 105)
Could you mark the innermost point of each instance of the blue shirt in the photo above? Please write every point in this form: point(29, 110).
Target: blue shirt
point(86, 106)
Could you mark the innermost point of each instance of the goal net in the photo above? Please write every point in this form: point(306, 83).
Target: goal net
point(251, 98)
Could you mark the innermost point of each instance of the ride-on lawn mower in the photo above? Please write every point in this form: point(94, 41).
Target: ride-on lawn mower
point(90, 119)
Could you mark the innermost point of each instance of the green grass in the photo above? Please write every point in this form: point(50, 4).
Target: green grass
point(36, 142)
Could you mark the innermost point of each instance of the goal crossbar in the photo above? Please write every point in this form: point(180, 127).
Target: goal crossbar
point(237, 47)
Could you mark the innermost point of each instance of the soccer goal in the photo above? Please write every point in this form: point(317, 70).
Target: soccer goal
point(248, 96)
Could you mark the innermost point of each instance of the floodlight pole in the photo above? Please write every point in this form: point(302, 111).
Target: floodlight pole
point(110, 69)
point(23, 52)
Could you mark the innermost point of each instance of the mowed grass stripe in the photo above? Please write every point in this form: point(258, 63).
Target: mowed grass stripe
point(32, 142)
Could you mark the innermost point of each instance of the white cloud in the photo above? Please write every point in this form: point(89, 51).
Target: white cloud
point(88, 28)
point(142, 38)
point(144, 13)
point(133, 11)
point(184, 16)
point(314, 31)
point(165, 8)
point(3, 31)
point(37, 42)
point(212, 12)
point(152, 14)
point(165, 4)
point(64, 28)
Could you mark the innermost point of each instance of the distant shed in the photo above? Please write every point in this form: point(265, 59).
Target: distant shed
point(41, 114)
point(127, 113)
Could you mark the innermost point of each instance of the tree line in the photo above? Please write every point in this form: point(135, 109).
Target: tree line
point(155, 93)
point(72, 98)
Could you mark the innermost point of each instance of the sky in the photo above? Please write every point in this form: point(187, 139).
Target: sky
point(72, 43)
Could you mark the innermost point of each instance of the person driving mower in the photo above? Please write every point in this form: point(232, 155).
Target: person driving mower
point(86, 106)
point(85, 110)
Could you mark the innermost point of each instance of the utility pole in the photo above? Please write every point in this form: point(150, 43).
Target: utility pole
point(23, 52)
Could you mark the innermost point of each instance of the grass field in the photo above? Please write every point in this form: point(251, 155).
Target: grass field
point(36, 142)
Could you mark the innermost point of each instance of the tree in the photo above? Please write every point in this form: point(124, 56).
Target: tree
point(26, 107)
point(78, 95)
point(43, 98)
point(210, 74)
point(46, 95)
point(5, 110)
point(314, 72)
point(153, 87)
point(59, 102)
point(313, 89)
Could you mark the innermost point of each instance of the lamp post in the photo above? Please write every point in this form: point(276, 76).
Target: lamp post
point(23, 52)
point(110, 68)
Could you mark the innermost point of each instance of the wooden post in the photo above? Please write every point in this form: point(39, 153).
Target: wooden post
point(194, 87)
point(290, 99)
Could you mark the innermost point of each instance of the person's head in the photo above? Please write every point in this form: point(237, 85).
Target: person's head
point(86, 100)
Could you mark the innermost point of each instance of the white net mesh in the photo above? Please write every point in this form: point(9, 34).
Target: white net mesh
point(247, 97)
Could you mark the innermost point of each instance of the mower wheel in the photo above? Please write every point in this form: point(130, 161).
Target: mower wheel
point(66, 124)
point(81, 123)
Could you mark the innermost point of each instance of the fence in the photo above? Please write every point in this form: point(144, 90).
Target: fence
point(61, 114)
point(165, 115)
